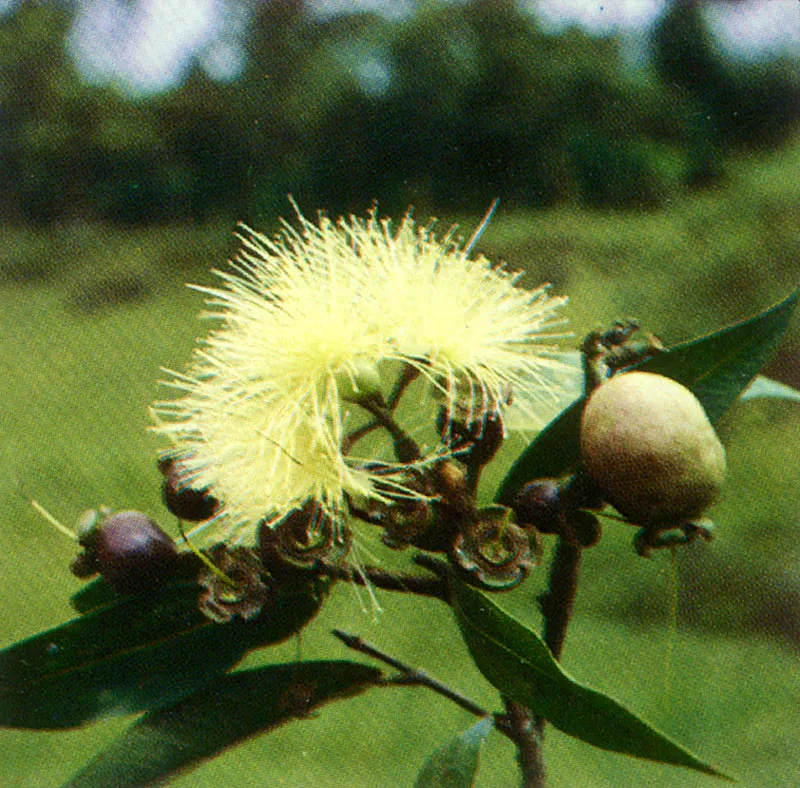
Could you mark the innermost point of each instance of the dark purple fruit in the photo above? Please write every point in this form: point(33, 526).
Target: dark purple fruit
point(186, 503)
point(135, 556)
point(539, 505)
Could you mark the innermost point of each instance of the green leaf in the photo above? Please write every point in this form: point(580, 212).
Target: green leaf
point(763, 387)
point(717, 368)
point(455, 765)
point(518, 663)
point(129, 656)
point(97, 593)
point(528, 412)
point(94, 595)
point(553, 452)
point(230, 710)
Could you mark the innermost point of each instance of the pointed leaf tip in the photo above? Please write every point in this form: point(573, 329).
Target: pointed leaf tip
point(517, 662)
point(455, 765)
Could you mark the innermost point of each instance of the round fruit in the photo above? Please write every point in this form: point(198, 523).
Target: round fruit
point(539, 505)
point(134, 554)
point(649, 446)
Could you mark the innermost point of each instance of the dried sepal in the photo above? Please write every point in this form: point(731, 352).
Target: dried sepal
point(222, 600)
point(493, 552)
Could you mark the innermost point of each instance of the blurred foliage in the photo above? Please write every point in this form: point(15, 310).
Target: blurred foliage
point(727, 104)
point(440, 109)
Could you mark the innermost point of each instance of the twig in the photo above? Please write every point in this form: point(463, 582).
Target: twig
point(356, 435)
point(404, 445)
point(434, 587)
point(474, 470)
point(414, 676)
point(556, 604)
point(557, 601)
point(409, 375)
point(431, 562)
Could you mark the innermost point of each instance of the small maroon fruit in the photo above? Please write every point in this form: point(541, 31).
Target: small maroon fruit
point(539, 505)
point(135, 556)
point(185, 502)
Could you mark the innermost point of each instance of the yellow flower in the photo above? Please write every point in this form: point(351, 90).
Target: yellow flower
point(464, 323)
point(260, 422)
point(304, 320)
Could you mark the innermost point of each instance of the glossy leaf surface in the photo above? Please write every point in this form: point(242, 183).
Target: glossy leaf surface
point(131, 655)
point(518, 663)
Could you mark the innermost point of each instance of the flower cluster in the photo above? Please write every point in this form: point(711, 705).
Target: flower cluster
point(312, 324)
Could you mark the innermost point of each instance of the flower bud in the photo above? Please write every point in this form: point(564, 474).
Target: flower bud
point(85, 564)
point(476, 438)
point(305, 537)
point(649, 446)
point(493, 552)
point(222, 601)
point(582, 528)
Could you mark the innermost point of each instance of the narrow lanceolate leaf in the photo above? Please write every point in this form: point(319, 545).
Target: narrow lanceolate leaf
point(455, 765)
point(518, 663)
point(231, 709)
point(717, 368)
point(135, 654)
point(763, 387)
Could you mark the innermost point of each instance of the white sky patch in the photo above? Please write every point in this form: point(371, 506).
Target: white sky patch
point(601, 18)
point(755, 29)
point(150, 45)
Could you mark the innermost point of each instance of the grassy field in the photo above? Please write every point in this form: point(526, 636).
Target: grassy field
point(89, 315)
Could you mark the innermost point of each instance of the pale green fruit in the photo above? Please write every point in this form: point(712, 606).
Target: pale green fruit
point(648, 444)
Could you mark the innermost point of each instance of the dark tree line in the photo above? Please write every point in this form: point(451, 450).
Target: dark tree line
point(446, 109)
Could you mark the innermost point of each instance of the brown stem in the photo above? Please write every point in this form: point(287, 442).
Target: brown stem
point(405, 446)
point(528, 738)
point(409, 375)
point(411, 675)
point(473, 476)
point(352, 438)
point(557, 601)
point(556, 604)
point(434, 587)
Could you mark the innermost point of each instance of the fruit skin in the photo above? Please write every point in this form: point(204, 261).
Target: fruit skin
point(539, 505)
point(649, 446)
point(134, 554)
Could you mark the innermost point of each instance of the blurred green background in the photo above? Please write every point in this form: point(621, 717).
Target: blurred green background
point(647, 166)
